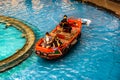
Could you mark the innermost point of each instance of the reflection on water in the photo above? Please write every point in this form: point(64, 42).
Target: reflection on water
point(95, 56)
point(36, 5)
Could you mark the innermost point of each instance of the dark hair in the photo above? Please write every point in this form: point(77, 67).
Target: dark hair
point(47, 33)
point(65, 15)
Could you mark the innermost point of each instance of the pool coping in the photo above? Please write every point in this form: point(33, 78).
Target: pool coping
point(23, 53)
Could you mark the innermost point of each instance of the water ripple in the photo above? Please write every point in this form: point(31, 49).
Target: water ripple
point(95, 56)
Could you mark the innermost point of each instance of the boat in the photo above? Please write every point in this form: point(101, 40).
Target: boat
point(67, 39)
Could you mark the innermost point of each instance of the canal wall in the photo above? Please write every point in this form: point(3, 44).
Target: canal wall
point(111, 5)
point(23, 53)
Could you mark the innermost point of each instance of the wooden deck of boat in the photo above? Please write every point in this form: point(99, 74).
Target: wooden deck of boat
point(67, 35)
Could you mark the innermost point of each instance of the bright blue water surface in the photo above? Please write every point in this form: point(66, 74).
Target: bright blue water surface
point(96, 56)
point(10, 41)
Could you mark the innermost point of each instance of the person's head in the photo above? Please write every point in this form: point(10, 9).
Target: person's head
point(47, 34)
point(65, 17)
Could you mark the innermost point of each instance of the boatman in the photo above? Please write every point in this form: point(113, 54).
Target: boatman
point(65, 25)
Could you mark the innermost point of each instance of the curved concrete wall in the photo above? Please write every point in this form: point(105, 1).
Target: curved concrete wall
point(107, 4)
point(23, 53)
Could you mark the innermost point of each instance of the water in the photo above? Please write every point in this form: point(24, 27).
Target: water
point(10, 41)
point(96, 56)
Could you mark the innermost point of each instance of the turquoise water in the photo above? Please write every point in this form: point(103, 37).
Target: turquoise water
point(96, 56)
point(10, 41)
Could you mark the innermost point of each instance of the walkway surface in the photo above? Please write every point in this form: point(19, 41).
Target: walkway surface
point(111, 5)
point(23, 53)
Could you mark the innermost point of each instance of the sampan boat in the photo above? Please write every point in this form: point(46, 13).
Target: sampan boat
point(67, 39)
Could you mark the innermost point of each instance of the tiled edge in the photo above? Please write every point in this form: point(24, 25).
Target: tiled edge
point(23, 53)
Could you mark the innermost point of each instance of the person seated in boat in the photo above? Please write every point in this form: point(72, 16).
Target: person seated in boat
point(48, 40)
point(56, 42)
point(65, 25)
